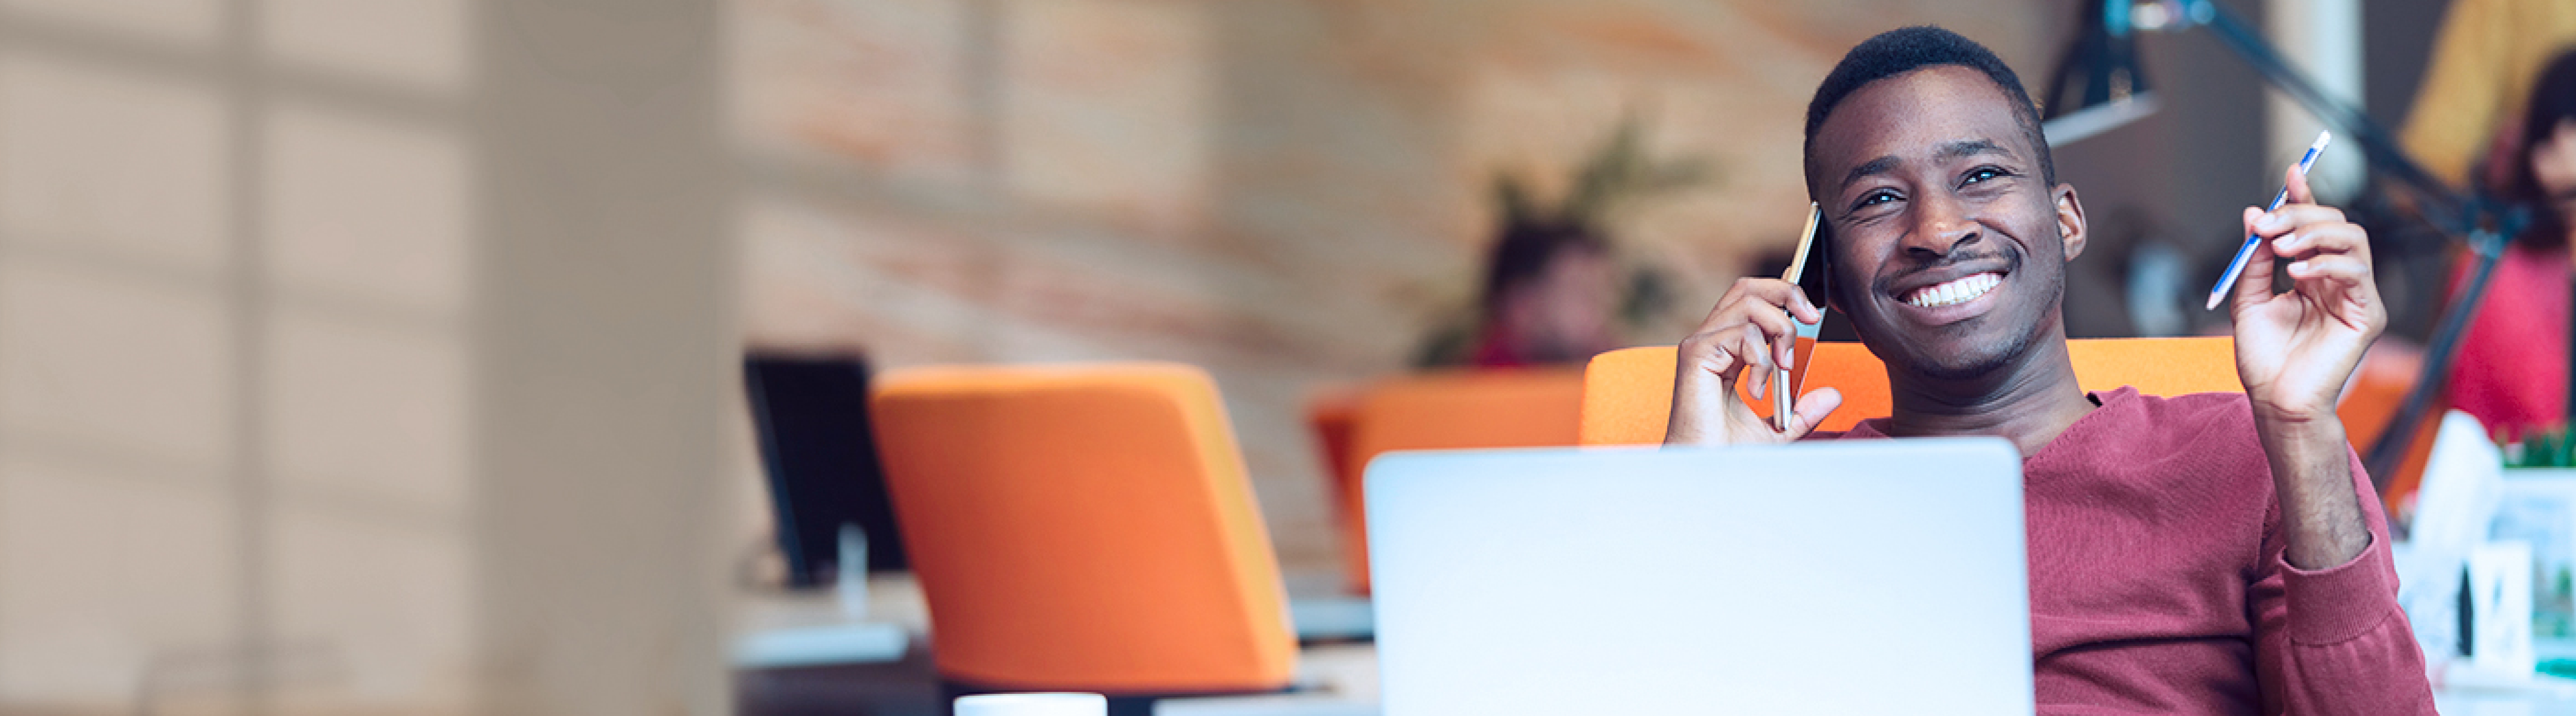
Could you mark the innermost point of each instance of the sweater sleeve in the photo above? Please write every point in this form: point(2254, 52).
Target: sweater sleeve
point(2333, 641)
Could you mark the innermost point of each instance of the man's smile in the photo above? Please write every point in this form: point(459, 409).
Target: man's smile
point(1955, 291)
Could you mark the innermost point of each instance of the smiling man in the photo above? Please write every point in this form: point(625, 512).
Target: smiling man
point(2213, 553)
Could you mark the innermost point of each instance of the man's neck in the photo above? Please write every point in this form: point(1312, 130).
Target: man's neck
point(2028, 402)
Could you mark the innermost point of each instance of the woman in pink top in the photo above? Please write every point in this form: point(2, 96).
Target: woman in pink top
point(2512, 368)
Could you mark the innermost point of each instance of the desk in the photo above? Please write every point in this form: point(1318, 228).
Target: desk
point(1342, 679)
point(2469, 691)
point(781, 629)
point(905, 687)
point(2551, 700)
point(1333, 679)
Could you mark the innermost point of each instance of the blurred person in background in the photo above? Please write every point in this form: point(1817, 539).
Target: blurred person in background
point(1551, 296)
point(1554, 290)
point(2513, 365)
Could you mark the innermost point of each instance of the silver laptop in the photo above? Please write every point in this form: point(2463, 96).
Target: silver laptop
point(1881, 576)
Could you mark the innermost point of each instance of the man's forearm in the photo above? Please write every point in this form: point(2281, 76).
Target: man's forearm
point(2312, 475)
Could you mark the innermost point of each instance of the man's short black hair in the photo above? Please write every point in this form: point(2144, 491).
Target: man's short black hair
point(1899, 51)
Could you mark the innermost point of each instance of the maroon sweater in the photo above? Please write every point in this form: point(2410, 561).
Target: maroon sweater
point(2157, 584)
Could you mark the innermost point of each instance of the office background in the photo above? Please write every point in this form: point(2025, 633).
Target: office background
point(379, 356)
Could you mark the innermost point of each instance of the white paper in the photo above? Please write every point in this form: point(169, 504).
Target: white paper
point(2463, 483)
point(2500, 607)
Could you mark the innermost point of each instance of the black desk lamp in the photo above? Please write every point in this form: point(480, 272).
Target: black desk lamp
point(2098, 84)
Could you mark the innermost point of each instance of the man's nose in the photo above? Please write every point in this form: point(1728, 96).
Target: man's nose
point(1941, 226)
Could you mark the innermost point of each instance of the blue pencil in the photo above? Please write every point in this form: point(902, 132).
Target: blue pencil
point(2246, 253)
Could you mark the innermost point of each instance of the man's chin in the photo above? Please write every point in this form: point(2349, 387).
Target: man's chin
point(1972, 363)
point(1963, 371)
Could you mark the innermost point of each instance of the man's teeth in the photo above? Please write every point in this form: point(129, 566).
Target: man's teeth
point(1957, 291)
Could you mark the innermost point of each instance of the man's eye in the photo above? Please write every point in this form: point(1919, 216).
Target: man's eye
point(1981, 174)
point(1875, 198)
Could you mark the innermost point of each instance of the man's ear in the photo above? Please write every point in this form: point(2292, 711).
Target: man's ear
point(2070, 220)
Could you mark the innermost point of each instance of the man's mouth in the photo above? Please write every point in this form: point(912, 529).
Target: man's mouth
point(1954, 291)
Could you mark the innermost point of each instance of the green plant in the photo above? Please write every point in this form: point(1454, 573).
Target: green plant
point(2545, 447)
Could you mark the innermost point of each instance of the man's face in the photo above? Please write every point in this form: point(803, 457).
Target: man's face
point(1949, 249)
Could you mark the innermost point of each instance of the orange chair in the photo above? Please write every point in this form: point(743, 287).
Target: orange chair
point(1628, 394)
point(1448, 410)
point(1333, 416)
point(1085, 528)
point(2378, 387)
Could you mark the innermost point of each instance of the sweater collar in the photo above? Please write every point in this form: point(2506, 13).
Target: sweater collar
point(2122, 399)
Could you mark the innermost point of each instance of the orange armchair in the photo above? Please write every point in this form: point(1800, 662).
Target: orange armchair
point(1447, 410)
point(1083, 528)
point(1628, 394)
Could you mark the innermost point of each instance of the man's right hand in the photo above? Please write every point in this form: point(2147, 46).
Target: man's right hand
point(1750, 328)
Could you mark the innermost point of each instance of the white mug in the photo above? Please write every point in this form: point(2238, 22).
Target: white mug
point(1038, 704)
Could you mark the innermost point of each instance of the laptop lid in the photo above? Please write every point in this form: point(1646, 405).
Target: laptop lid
point(1879, 576)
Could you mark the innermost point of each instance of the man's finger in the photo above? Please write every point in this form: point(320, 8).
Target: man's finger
point(1750, 295)
point(2296, 218)
point(2323, 240)
point(1812, 409)
point(2254, 283)
point(1721, 315)
point(1783, 297)
point(1704, 387)
point(1756, 352)
point(1804, 309)
point(1775, 325)
point(2298, 184)
point(1712, 354)
point(2341, 269)
point(1773, 331)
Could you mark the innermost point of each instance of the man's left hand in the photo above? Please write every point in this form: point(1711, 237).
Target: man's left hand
point(2295, 349)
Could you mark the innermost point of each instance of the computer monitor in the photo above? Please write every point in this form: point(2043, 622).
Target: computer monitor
point(816, 445)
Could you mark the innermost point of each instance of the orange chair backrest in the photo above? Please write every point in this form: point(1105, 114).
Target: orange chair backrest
point(2379, 387)
point(1087, 528)
point(1332, 417)
point(1628, 394)
point(1449, 410)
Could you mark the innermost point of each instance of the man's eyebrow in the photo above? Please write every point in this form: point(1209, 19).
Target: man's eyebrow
point(1968, 147)
point(1880, 165)
point(1946, 152)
